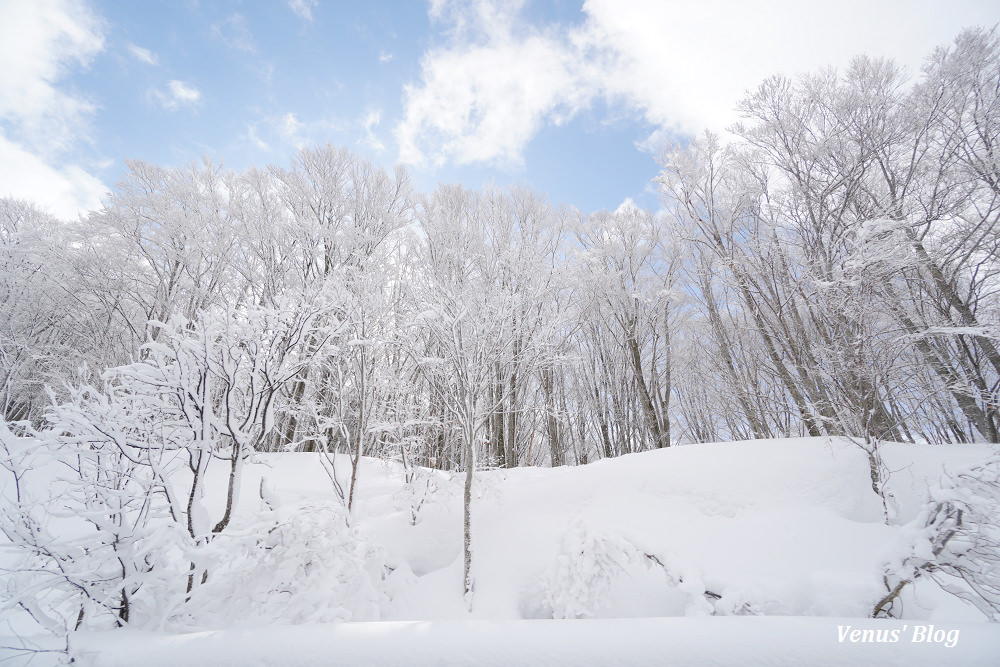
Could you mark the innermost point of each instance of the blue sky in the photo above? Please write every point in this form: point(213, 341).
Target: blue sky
point(571, 97)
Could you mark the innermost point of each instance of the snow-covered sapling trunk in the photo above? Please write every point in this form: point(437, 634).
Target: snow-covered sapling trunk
point(879, 473)
point(418, 481)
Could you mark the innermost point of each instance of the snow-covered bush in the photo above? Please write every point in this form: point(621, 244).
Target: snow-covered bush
point(589, 561)
point(88, 533)
point(420, 488)
point(293, 565)
point(81, 562)
point(954, 541)
point(106, 511)
point(593, 560)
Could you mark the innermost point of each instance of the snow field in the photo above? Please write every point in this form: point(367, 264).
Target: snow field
point(707, 642)
point(755, 552)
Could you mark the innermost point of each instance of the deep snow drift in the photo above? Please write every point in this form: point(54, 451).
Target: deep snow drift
point(778, 528)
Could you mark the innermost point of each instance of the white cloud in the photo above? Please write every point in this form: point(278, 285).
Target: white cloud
point(686, 65)
point(302, 8)
point(680, 66)
point(143, 55)
point(485, 96)
point(63, 191)
point(41, 122)
point(184, 93)
point(384, 57)
point(235, 33)
point(176, 95)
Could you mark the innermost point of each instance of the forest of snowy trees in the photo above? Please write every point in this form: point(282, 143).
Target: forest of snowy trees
point(831, 267)
point(830, 270)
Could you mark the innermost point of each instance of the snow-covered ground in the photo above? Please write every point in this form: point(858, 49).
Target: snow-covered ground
point(760, 552)
point(705, 642)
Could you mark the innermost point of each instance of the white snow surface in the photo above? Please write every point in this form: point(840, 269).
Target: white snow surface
point(609, 563)
point(706, 642)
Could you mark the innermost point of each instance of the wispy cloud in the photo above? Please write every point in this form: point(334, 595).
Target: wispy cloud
point(235, 33)
point(177, 94)
point(281, 130)
point(143, 55)
point(384, 57)
point(255, 139)
point(302, 8)
point(39, 43)
point(289, 128)
point(369, 122)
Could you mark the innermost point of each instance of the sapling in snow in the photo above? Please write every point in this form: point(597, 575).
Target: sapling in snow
point(954, 541)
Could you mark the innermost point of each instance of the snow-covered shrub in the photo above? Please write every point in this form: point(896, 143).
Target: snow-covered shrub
point(734, 603)
point(82, 562)
point(106, 515)
point(88, 533)
point(420, 488)
point(298, 565)
point(589, 561)
point(954, 541)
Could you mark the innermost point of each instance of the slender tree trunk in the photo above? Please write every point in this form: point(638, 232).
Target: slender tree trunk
point(725, 346)
point(786, 378)
point(666, 374)
point(359, 439)
point(470, 470)
point(233, 489)
point(509, 445)
point(645, 400)
point(556, 446)
point(602, 421)
point(947, 290)
point(951, 380)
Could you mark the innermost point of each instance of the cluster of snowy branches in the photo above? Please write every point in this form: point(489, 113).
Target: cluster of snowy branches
point(108, 510)
point(831, 270)
point(954, 541)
